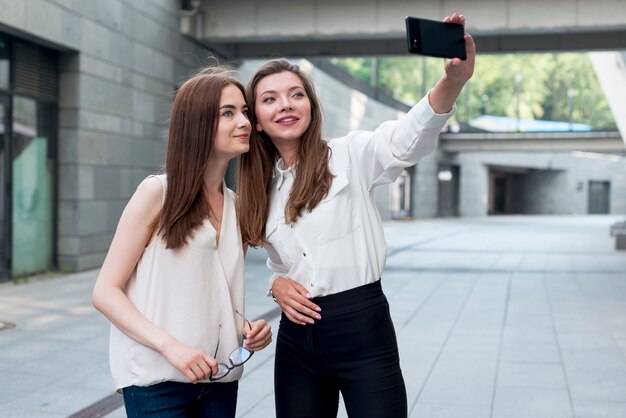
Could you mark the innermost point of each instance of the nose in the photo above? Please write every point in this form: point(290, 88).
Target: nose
point(243, 120)
point(286, 104)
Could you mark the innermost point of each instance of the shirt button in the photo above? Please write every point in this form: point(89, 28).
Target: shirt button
point(312, 284)
point(304, 254)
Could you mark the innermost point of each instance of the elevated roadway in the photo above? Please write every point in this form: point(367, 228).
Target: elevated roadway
point(255, 28)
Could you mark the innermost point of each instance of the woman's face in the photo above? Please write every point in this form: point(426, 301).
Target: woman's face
point(233, 128)
point(282, 107)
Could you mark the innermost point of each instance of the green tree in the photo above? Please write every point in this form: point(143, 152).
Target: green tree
point(546, 86)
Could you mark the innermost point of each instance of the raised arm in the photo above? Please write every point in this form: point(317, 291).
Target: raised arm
point(457, 73)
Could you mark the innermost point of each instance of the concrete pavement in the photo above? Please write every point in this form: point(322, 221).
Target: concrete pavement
point(498, 317)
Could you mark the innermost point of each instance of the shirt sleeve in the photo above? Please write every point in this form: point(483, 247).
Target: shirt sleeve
point(274, 263)
point(395, 145)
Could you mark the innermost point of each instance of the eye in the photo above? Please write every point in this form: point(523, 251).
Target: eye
point(299, 94)
point(227, 113)
point(268, 100)
point(245, 113)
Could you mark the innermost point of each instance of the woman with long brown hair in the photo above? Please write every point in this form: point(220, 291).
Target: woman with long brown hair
point(172, 284)
point(310, 204)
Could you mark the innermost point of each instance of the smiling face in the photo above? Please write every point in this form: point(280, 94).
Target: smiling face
point(233, 128)
point(282, 109)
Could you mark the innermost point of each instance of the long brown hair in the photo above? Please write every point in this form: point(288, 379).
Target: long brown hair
point(313, 176)
point(193, 125)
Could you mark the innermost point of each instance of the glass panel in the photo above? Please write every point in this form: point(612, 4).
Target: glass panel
point(32, 192)
point(4, 64)
point(4, 238)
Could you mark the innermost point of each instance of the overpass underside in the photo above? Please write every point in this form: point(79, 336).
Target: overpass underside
point(607, 39)
point(260, 29)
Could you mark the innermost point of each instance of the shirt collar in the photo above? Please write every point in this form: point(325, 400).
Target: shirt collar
point(280, 173)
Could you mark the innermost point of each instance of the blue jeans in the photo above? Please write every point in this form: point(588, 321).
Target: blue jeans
point(176, 399)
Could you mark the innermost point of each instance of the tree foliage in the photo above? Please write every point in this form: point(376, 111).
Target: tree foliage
point(550, 86)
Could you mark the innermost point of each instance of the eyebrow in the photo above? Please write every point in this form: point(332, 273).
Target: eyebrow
point(230, 106)
point(274, 91)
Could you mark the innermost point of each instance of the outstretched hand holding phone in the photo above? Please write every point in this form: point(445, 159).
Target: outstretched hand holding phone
point(457, 71)
point(435, 39)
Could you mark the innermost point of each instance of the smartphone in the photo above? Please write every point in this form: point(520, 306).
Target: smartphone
point(435, 39)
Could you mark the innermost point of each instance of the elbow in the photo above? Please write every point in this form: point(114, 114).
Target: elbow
point(98, 298)
point(95, 299)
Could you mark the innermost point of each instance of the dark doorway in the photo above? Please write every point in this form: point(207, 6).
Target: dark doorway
point(599, 197)
point(448, 190)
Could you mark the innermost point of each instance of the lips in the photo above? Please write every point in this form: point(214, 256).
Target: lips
point(287, 120)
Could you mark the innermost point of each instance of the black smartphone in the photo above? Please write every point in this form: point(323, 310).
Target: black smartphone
point(435, 39)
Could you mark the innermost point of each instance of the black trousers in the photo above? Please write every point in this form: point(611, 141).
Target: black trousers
point(352, 350)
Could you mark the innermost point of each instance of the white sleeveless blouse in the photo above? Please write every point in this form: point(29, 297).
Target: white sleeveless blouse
point(187, 292)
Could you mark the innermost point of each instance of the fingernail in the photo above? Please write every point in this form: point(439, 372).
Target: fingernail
point(318, 309)
point(308, 295)
point(318, 316)
point(310, 321)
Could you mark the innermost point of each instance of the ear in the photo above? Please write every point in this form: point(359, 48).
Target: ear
point(258, 128)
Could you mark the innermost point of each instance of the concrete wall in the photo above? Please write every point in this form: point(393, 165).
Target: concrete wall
point(119, 61)
point(272, 19)
point(376, 27)
point(560, 188)
point(425, 186)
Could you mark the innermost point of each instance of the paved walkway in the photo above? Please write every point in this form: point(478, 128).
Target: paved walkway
point(501, 317)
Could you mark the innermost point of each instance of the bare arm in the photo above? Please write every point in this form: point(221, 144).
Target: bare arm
point(457, 73)
point(132, 234)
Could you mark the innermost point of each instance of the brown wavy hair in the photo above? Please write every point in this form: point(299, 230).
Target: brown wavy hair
point(312, 177)
point(193, 125)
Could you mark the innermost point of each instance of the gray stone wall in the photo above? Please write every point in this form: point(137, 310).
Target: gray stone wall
point(425, 187)
point(559, 187)
point(120, 60)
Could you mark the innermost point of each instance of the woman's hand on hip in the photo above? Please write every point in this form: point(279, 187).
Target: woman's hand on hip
point(258, 337)
point(295, 302)
point(193, 363)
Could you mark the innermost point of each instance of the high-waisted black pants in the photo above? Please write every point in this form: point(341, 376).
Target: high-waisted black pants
point(352, 350)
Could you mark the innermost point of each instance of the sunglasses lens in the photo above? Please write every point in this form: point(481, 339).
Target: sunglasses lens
point(240, 356)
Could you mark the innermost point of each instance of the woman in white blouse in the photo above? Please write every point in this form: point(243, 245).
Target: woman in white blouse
point(310, 204)
point(172, 284)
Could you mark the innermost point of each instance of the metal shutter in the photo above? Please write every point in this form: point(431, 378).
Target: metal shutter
point(36, 71)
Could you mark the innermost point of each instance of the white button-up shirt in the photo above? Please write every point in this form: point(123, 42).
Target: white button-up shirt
point(340, 244)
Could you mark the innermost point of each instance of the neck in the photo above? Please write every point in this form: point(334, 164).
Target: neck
point(289, 154)
point(214, 175)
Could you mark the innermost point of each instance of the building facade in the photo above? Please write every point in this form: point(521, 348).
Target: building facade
point(85, 89)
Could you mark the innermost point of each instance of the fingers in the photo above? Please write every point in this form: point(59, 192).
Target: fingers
point(195, 364)
point(470, 46)
point(299, 308)
point(457, 18)
point(200, 371)
point(259, 337)
point(200, 366)
point(295, 302)
point(212, 363)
